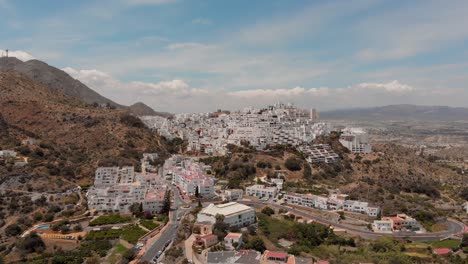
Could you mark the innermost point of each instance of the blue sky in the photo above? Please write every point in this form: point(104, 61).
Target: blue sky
point(189, 55)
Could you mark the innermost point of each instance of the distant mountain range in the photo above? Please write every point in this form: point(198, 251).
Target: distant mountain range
point(400, 112)
point(59, 81)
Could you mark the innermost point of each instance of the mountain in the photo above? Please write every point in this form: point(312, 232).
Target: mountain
point(400, 112)
point(54, 79)
point(141, 109)
point(74, 137)
point(59, 81)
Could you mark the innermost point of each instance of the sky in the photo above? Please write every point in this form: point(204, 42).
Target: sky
point(203, 55)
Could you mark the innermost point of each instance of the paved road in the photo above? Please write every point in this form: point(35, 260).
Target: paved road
point(454, 227)
point(171, 231)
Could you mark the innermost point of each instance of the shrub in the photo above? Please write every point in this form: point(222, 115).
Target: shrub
point(293, 164)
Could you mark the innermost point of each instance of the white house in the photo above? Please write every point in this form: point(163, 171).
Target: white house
point(232, 238)
point(232, 194)
point(383, 226)
point(261, 191)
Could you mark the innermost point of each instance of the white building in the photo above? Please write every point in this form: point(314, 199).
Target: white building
point(332, 202)
point(261, 191)
point(233, 241)
point(356, 140)
point(116, 189)
point(382, 226)
point(7, 153)
point(189, 175)
point(235, 214)
point(232, 194)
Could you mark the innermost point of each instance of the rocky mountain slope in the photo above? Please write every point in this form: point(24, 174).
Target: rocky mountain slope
point(141, 109)
point(400, 112)
point(74, 137)
point(59, 81)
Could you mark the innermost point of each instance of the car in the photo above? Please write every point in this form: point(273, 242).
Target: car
point(199, 251)
point(178, 218)
point(158, 254)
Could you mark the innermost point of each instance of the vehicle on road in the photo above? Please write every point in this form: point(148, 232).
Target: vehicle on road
point(178, 218)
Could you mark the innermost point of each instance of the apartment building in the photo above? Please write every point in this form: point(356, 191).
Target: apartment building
point(189, 175)
point(261, 191)
point(356, 140)
point(235, 214)
point(332, 202)
point(116, 189)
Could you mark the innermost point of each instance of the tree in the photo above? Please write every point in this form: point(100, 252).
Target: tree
point(31, 243)
point(268, 211)
point(13, 230)
point(464, 242)
point(293, 164)
point(342, 216)
point(136, 209)
point(167, 203)
point(197, 192)
point(256, 243)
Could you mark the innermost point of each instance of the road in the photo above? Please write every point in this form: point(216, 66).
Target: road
point(454, 227)
point(171, 231)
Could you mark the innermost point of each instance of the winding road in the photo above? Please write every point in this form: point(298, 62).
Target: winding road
point(454, 227)
point(170, 232)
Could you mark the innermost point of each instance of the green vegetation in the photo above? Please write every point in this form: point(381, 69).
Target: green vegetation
point(268, 211)
point(31, 243)
point(306, 236)
point(130, 233)
point(448, 243)
point(293, 164)
point(256, 243)
point(149, 224)
point(110, 219)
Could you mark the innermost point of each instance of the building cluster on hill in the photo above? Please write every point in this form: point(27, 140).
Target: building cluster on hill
point(332, 202)
point(189, 176)
point(210, 133)
point(117, 188)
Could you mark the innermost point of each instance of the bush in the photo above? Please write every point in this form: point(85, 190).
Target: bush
point(13, 230)
point(268, 211)
point(293, 164)
point(31, 243)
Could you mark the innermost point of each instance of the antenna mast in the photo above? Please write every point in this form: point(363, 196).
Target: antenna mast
point(6, 52)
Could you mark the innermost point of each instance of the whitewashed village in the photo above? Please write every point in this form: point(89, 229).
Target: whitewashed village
point(183, 189)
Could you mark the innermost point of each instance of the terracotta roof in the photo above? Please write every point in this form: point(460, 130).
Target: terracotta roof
point(276, 254)
point(442, 251)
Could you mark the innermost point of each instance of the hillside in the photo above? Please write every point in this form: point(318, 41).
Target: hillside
point(400, 112)
point(74, 137)
point(141, 109)
point(57, 80)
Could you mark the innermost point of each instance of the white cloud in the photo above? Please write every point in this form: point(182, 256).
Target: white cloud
point(394, 87)
point(178, 96)
point(19, 54)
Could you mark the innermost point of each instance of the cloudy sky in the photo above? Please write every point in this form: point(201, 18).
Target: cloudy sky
point(200, 55)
